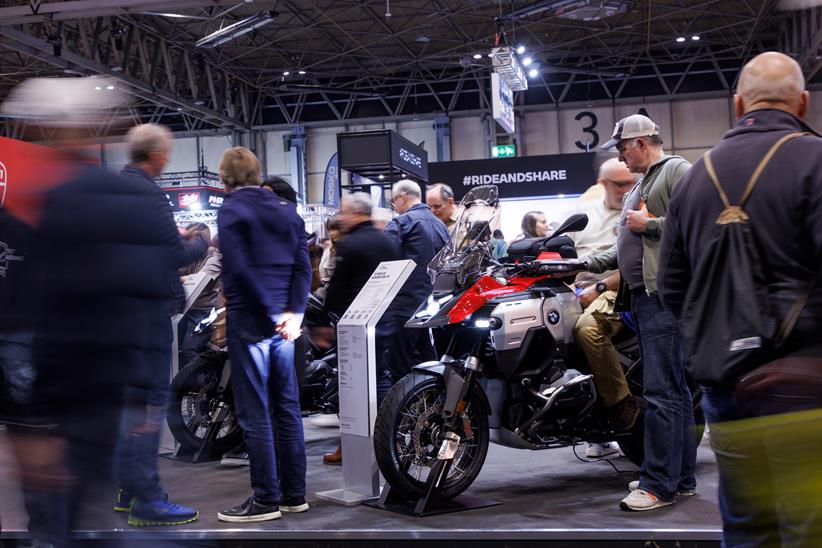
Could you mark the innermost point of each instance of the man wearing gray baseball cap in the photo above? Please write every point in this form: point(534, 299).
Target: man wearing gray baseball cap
point(670, 442)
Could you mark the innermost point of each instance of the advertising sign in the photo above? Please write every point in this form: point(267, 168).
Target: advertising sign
point(194, 198)
point(331, 184)
point(502, 104)
point(526, 176)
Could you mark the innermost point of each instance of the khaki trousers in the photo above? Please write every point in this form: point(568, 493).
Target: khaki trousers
point(593, 333)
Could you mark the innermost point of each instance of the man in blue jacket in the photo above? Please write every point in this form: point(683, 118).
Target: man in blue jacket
point(140, 493)
point(420, 235)
point(266, 279)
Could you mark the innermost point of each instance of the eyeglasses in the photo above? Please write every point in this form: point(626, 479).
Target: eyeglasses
point(626, 182)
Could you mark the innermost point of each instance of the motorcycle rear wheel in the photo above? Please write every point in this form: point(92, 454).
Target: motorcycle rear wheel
point(193, 403)
point(407, 437)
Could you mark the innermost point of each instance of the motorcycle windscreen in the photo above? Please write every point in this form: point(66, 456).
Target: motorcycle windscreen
point(463, 254)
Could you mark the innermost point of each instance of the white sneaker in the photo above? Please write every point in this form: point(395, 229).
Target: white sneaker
point(640, 500)
point(634, 485)
point(234, 460)
point(599, 450)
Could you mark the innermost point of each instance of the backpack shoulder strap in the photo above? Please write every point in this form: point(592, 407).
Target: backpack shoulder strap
point(792, 316)
point(764, 162)
point(735, 214)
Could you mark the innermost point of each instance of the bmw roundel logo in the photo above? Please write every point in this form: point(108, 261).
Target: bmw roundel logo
point(553, 317)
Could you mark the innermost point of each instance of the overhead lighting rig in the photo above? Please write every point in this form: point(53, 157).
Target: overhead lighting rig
point(235, 30)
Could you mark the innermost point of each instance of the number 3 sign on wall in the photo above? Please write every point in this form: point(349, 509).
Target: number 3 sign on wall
point(590, 129)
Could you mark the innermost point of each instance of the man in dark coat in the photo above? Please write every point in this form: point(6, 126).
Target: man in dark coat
point(266, 279)
point(769, 474)
point(140, 493)
point(420, 236)
point(358, 253)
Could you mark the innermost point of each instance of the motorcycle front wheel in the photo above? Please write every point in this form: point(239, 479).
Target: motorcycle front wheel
point(193, 405)
point(408, 435)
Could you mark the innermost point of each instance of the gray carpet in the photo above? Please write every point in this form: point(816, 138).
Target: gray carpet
point(546, 494)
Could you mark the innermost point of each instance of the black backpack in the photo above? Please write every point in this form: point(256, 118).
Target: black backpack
point(728, 322)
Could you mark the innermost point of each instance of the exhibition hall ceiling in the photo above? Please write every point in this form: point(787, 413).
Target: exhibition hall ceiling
point(311, 60)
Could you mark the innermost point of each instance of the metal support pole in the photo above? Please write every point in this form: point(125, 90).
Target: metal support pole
point(296, 147)
point(442, 128)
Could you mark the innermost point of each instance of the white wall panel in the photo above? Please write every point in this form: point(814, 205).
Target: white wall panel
point(539, 133)
point(692, 154)
point(419, 131)
point(814, 116)
point(701, 123)
point(115, 156)
point(594, 129)
point(212, 149)
point(183, 155)
point(279, 160)
point(467, 139)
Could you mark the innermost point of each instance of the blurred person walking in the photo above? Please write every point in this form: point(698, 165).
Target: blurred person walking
point(766, 421)
point(140, 493)
point(266, 279)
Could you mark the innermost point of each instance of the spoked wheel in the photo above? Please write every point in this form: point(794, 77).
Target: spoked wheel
point(409, 432)
point(194, 404)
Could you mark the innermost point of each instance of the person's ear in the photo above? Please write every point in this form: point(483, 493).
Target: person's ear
point(804, 102)
point(739, 106)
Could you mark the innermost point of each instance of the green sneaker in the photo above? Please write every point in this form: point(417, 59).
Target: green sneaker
point(160, 512)
point(123, 502)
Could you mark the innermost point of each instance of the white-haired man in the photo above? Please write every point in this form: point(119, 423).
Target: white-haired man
point(420, 236)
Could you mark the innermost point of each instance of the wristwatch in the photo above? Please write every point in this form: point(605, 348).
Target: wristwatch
point(601, 287)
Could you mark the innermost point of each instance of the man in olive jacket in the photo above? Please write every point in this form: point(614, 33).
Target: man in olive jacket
point(670, 444)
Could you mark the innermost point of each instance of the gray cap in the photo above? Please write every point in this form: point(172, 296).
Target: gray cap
point(635, 125)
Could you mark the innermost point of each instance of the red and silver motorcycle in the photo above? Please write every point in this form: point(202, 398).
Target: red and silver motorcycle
point(510, 371)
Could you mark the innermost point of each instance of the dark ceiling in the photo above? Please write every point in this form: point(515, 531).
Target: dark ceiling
point(361, 62)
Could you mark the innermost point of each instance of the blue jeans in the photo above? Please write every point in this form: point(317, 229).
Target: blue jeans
point(17, 369)
point(267, 406)
point(670, 442)
point(142, 425)
point(769, 475)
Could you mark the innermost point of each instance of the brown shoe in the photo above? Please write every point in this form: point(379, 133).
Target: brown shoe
point(624, 414)
point(334, 458)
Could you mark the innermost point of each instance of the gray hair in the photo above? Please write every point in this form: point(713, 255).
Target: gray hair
point(145, 139)
point(446, 191)
point(358, 202)
point(408, 186)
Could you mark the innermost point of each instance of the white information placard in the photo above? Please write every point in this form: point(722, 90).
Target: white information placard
point(356, 352)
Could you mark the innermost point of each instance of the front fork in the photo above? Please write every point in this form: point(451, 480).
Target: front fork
point(457, 387)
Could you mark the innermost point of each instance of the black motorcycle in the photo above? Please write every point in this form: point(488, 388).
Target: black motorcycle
point(200, 414)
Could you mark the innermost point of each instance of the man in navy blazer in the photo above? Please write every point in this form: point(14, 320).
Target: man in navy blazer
point(420, 235)
point(266, 280)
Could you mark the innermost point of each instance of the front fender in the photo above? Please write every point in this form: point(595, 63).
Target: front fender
point(453, 381)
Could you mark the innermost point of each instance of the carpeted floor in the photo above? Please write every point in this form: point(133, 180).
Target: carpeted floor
point(545, 495)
